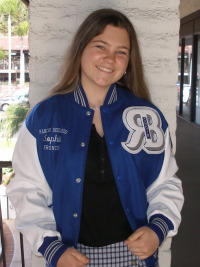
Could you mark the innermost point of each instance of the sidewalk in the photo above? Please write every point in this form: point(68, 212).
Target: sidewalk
point(186, 245)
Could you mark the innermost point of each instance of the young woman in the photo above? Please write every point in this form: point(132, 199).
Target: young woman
point(95, 177)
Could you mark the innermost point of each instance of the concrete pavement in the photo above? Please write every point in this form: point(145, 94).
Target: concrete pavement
point(186, 245)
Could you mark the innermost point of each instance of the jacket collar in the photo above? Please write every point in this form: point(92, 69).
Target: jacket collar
point(81, 99)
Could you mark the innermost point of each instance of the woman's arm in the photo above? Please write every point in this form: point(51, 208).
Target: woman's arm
point(32, 198)
point(165, 197)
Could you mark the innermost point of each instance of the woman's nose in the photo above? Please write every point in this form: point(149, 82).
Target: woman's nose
point(110, 57)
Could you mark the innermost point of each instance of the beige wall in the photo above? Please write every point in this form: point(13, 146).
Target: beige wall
point(52, 24)
point(188, 6)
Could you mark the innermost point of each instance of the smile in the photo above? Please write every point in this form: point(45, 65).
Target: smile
point(104, 69)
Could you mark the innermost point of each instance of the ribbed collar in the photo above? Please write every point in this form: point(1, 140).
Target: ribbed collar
point(81, 99)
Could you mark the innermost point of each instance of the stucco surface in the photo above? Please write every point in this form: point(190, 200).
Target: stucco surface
point(53, 23)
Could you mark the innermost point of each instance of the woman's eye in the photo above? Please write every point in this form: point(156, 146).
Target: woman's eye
point(100, 47)
point(121, 53)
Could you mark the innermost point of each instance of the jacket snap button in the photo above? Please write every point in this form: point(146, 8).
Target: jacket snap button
point(88, 113)
point(134, 262)
point(75, 215)
point(78, 180)
point(83, 144)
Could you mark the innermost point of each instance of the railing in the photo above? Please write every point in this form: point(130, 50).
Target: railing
point(8, 164)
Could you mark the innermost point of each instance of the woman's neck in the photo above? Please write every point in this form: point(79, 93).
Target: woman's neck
point(95, 96)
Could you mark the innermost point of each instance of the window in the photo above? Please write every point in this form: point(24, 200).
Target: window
point(187, 78)
point(188, 83)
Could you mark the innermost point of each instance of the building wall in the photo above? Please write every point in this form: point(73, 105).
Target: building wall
point(52, 24)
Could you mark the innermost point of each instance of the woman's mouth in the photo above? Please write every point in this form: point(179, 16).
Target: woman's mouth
point(104, 69)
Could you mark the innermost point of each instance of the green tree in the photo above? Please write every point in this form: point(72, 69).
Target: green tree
point(18, 11)
point(3, 24)
point(3, 54)
point(15, 115)
point(22, 30)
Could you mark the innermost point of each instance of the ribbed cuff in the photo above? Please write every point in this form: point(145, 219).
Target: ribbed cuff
point(161, 225)
point(52, 249)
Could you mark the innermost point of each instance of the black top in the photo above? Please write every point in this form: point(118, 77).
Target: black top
point(103, 221)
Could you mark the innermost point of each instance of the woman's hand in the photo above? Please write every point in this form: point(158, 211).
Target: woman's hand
point(72, 258)
point(143, 242)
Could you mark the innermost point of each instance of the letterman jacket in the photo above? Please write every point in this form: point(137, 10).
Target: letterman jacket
point(49, 161)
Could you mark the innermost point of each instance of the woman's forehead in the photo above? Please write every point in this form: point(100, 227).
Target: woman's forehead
point(113, 35)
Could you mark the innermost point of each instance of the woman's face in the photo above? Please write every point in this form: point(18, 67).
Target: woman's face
point(104, 60)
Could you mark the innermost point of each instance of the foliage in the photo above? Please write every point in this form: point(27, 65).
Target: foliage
point(9, 7)
point(7, 170)
point(3, 54)
point(3, 25)
point(18, 12)
point(8, 175)
point(7, 144)
point(22, 29)
point(15, 115)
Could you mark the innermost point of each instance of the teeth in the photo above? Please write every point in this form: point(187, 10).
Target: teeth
point(104, 69)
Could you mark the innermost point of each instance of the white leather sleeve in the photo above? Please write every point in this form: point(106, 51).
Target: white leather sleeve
point(165, 195)
point(30, 193)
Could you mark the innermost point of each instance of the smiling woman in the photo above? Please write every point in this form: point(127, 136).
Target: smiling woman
point(97, 186)
point(92, 27)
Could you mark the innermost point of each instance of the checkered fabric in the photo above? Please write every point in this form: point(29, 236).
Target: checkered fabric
point(115, 255)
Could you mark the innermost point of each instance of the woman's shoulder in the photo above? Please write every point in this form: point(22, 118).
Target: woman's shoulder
point(140, 105)
point(51, 103)
point(47, 109)
point(51, 100)
point(130, 98)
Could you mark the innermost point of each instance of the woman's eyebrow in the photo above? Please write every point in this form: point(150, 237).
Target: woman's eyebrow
point(101, 41)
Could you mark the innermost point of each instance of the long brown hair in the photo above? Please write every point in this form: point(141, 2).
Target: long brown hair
point(92, 26)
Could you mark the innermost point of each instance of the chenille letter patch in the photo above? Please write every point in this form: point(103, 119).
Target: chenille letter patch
point(145, 130)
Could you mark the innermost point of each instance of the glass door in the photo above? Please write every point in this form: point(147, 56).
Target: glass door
point(197, 120)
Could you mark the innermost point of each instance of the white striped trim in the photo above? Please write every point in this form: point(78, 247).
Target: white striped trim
point(56, 242)
point(113, 96)
point(81, 97)
point(162, 225)
point(78, 96)
point(49, 259)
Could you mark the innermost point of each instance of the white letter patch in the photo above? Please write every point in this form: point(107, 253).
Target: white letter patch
point(145, 130)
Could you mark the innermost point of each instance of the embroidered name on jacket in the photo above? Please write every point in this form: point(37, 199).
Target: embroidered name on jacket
point(52, 137)
point(145, 130)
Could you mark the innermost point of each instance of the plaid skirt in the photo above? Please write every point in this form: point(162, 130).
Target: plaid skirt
point(114, 255)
